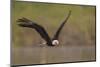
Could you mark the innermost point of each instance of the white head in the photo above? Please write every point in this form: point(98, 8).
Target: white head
point(55, 42)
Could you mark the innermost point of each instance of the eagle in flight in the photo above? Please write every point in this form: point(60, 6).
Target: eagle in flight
point(24, 22)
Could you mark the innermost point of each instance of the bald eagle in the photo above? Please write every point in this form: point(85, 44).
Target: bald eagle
point(24, 22)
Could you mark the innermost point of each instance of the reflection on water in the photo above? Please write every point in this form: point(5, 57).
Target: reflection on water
point(41, 55)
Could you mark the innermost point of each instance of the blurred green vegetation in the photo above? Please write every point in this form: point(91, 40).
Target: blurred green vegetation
point(80, 29)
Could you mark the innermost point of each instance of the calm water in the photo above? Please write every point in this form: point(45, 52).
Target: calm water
point(41, 55)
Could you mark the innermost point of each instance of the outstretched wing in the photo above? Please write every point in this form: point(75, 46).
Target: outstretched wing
point(24, 22)
point(56, 36)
